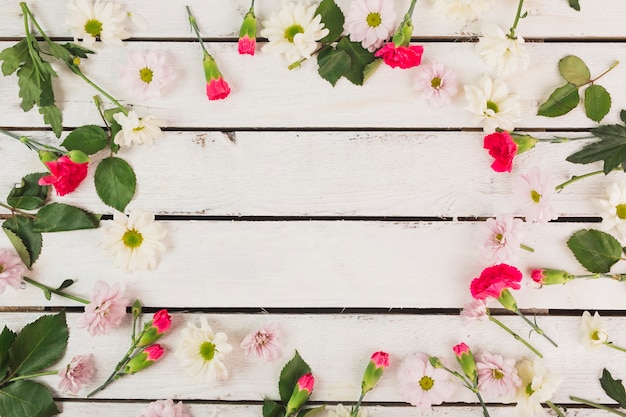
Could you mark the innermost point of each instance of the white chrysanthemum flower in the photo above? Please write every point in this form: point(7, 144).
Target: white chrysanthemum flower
point(370, 22)
point(463, 9)
point(500, 52)
point(491, 101)
point(201, 352)
point(134, 241)
point(146, 73)
point(293, 31)
point(437, 84)
point(102, 21)
point(538, 386)
point(614, 209)
point(594, 330)
point(137, 129)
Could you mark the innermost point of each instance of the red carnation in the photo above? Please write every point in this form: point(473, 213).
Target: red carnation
point(65, 175)
point(503, 149)
point(401, 56)
point(494, 280)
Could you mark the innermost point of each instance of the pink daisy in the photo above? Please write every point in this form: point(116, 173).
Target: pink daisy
point(146, 74)
point(164, 408)
point(503, 237)
point(370, 22)
point(263, 342)
point(497, 376)
point(421, 384)
point(11, 270)
point(534, 190)
point(437, 84)
point(77, 373)
point(476, 310)
point(106, 309)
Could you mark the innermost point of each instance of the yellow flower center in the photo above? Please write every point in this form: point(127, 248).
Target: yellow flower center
point(435, 83)
point(499, 239)
point(207, 351)
point(132, 239)
point(620, 210)
point(497, 374)
point(138, 128)
point(529, 390)
point(492, 106)
point(535, 196)
point(1, 268)
point(93, 27)
point(292, 31)
point(146, 75)
point(373, 20)
point(426, 383)
point(595, 335)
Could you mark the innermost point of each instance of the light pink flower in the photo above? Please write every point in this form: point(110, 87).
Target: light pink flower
point(421, 384)
point(534, 190)
point(77, 373)
point(106, 309)
point(497, 376)
point(437, 84)
point(502, 238)
point(12, 269)
point(164, 408)
point(370, 22)
point(476, 310)
point(146, 74)
point(263, 342)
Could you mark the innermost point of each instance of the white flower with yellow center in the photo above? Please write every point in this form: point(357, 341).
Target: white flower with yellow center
point(370, 22)
point(594, 330)
point(134, 241)
point(491, 102)
point(500, 52)
point(135, 129)
point(614, 209)
point(201, 352)
point(463, 9)
point(293, 31)
point(538, 386)
point(102, 21)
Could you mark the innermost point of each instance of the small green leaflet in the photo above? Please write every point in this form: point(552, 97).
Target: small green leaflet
point(59, 217)
point(289, 376)
point(560, 102)
point(333, 20)
point(27, 242)
point(613, 388)
point(597, 102)
point(29, 195)
point(273, 409)
point(115, 182)
point(574, 4)
point(611, 148)
point(595, 250)
point(13, 56)
point(574, 70)
point(89, 139)
point(360, 58)
point(333, 64)
point(7, 337)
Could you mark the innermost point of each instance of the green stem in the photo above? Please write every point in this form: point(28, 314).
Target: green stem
point(194, 26)
point(355, 410)
point(516, 21)
point(535, 327)
point(411, 8)
point(525, 247)
point(21, 377)
point(575, 178)
point(482, 403)
point(33, 144)
point(515, 335)
point(55, 291)
point(616, 63)
point(611, 345)
point(555, 408)
point(596, 405)
point(17, 211)
point(101, 91)
point(561, 139)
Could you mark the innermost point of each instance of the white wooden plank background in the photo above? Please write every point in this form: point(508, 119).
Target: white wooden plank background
point(332, 184)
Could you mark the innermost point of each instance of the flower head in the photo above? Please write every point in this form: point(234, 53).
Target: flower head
point(594, 330)
point(491, 102)
point(135, 129)
point(134, 241)
point(301, 393)
point(437, 84)
point(497, 376)
point(401, 56)
point(143, 359)
point(534, 190)
point(106, 309)
point(476, 310)
point(421, 384)
point(99, 20)
point(614, 209)
point(463, 9)
point(146, 74)
point(263, 342)
point(494, 281)
point(164, 408)
point(502, 148)
point(503, 236)
point(216, 87)
point(155, 328)
point(293, 31)
point(538, 385)
point(12, 269)
point(200, 351)
point(550, 276)
point(77, 373)
point(370, 22)
point(247, 33)
point(375, 368)
point(501, 52)
point(65, 175)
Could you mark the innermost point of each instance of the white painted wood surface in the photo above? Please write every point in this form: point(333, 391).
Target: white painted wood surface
point(333, 183)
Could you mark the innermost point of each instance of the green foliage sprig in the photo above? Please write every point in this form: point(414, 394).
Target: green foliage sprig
point(597, 252)
point(614, 388)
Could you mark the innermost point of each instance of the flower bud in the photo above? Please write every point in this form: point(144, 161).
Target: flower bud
point(77, 156)
point(301, 393)
point(144, 359)
point(247, 34)
point(47, 156)
point(466, 360)
point(374, 370)
point(154, 329)
point(507, 300)
point(435, 362)
point(216, 87)
point(524, 142)
point(402, 37)
point(550, 276)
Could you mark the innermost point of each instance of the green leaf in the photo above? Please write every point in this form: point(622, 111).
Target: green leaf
point(58, 51)
point(371, 68)
point(273, 409)
point(115, 182)
point(27, 242)
point(574, 4)
point(310, 412)
point(611, 148)
point(289, 376)
point(613, 388)
point(333, 64)
point(59, 217)
point(65, 284)
point(29, 195)
point(28, 83)
point(13, 56)
point(622, 115)
point(52, 116)
point(39, 344)
point(560, 102)
point(574, 70)
point(597, 102)
point(7, 337)
point(595, 250)
point(89, 139)
point(27, 399)
point(46, 96)
point(360, 58)
point(77, 50)
point(333, 20)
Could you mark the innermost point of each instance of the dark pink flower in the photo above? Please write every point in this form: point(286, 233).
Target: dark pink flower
point(380, 359)
point(401, 56)
point(503, 149)
point(306, 382)
point(217, 89)
point(77, 373)
point(162, 321)
point(494, 280)
point(144, 359)
point(460, 349)
point(246, 45)
point(65, 175)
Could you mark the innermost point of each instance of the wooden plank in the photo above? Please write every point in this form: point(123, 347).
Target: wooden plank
point(325, 174)
point(223, 19)
point(267, 95)
point(294, 264)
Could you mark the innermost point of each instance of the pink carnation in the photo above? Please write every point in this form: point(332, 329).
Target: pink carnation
point(106, 309)
point(246, 45)
point(503, 149)
point(401, 56)
point(164, 408)
point(77, 373)
point(495, 279)
point(12, 269)
point(65, 175)
point(476, 310)
point(264, 342)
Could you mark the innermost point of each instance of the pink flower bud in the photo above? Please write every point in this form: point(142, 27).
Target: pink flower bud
point(460, 349)
point(301, 393)
point(154, 352)
point(380, 359)
point(162, 321)
point(374, 370)
point(144, 359)
point(466, 360)
point(550, 276)
point(216, 87)
point(306, 382)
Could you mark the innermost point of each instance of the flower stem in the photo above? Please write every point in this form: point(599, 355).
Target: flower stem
point(411, 8)
point(482, 403)
point(516, 21)
point(471, 386)
point(596, 405)
point(101, 91)
point(355, 410)
point(515, 335)
point(525, 247)
point(611, 345)
point(575, 178)
point(613, 65)
point(54, 290)
point(562, 139)
point(17, 211)
point(535, 327)
point(194, 26)
point(33, 144)
point(555, 408)
point(22, 377)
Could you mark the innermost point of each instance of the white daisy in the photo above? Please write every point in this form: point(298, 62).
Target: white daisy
point(463, 9)
point(594, 330)
point(137, 129)
point(293, 31)
point(146, 74)
point(134, 241)
point(102, 21)
point(200, 351)
point(533, 190)
point(491, 102)
point(614, 209)
point(538, 386)
point(370, 22)
point(500, 52)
